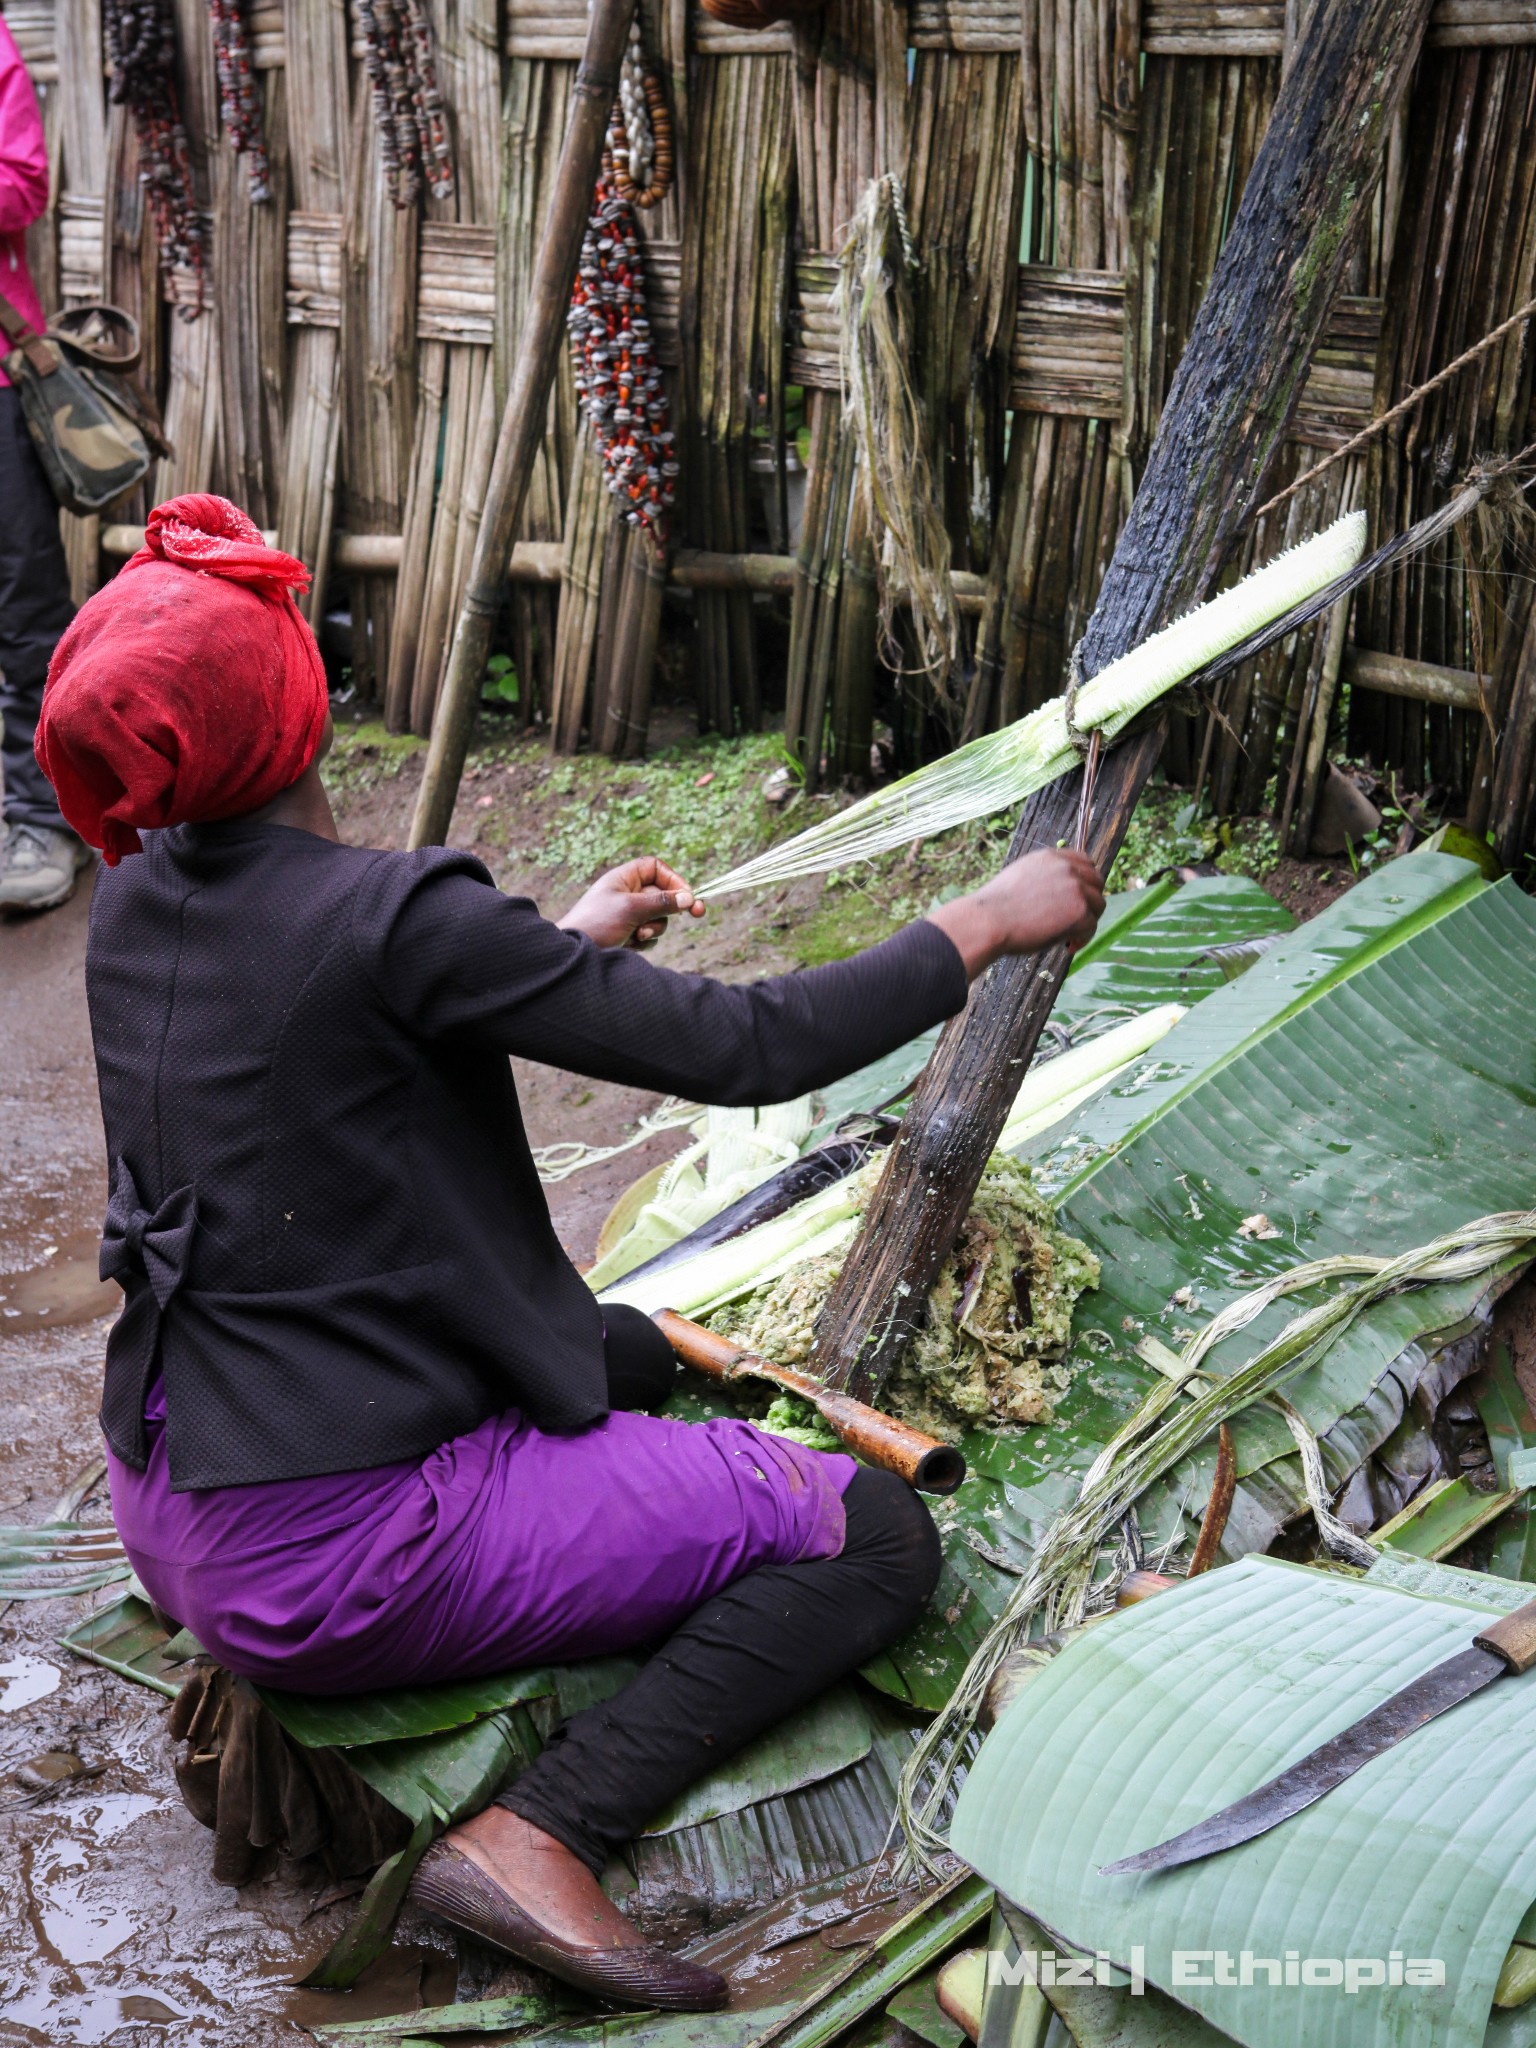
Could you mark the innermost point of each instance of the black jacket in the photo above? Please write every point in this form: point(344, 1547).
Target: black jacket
point(323, 1210)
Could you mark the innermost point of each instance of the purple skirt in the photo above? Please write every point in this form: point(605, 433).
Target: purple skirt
point(505, 1547)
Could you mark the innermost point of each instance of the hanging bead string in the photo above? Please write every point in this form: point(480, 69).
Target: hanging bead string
point(239, 100)
point(640, 136)
point(401, 60)
point(618, 379)
point(141, 49)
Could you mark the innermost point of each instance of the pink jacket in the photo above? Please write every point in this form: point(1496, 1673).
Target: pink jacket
point(23, 178)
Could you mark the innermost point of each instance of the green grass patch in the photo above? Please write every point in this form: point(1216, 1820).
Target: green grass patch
point(1169, 830)
point(698, 805)
point(362, 756)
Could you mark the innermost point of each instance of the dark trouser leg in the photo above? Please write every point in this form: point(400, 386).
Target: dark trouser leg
point(642, 1366)
point(34, 610)
point(740, 1663)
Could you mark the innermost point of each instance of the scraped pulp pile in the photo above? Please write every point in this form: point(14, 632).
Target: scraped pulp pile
point(999, 1319)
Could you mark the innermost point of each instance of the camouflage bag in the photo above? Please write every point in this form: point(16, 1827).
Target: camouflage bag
point(90, 433)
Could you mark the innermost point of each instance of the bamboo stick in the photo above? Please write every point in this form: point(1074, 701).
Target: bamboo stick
point(377, 295)
point(523, 422)
point(534, 118)
point(590, 515)
point(1423, 681)
point(411, 589)
point(318, 121)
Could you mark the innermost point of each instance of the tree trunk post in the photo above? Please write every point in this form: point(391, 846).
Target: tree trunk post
point(1227, 411)
point(523, 422)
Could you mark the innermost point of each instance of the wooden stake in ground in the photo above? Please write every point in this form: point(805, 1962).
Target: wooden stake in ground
point(1226, 412)
point(524, 421)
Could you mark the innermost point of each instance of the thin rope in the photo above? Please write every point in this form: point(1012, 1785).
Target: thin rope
point(569, 1155)
point(1339, 1540)
point(1415, 397)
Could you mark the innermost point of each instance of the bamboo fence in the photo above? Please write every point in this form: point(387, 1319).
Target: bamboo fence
point(1068, 169)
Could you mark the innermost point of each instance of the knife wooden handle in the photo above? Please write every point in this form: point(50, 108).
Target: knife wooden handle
point(1512, 1637)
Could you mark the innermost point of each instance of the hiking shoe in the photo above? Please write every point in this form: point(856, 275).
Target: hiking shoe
point(39, 866)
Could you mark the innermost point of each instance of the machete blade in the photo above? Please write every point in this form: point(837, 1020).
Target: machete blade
point(1450, 1682)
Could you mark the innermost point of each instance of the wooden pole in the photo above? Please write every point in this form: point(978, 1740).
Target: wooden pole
point(524, 420)
point(1224, 419)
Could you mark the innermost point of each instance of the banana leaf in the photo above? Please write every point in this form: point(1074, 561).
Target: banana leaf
point(126, 1638)
point(1383, 912)
point(434, 1780)
point(1152, 947)
point(443, 1777)
point(1442, 1519)
point(475, 2016)
point(1506, 1416)
point(1385, 1103)
point(830, 1735)
point(1094, 2015)
point(741, 1861)
point(344, 1720)
point(1166, 1712)
point(59, 1558)
point(916, 2008)
point(1259, 1110)
point(1160, 949)
point(1503, 1409)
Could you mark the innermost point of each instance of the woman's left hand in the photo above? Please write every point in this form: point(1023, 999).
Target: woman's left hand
point(629, 906)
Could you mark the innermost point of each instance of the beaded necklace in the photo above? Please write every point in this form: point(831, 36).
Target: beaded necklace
point(141, 49)
point(239, 101)
point(400, 57)
point(618, 379)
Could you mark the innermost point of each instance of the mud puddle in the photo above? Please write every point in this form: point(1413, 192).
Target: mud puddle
point(62, 1287)
point(117, 1929)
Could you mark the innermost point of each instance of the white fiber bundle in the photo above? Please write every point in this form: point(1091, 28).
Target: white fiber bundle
point(1002, 768)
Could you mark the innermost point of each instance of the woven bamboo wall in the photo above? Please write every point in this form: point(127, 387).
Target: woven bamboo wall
point(1069, 168)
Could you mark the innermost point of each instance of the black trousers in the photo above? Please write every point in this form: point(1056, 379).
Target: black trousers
point(740, 1663)
point(34, 610)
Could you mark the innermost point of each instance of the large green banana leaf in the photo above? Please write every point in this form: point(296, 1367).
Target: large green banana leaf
point(1153, 946)
point(1168, 1711)
point(1369, 1083)
point(1388, 1101)
point(1381, 913)
point(401, 1713)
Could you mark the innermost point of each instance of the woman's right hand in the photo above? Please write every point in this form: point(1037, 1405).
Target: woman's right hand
point(1045, 899)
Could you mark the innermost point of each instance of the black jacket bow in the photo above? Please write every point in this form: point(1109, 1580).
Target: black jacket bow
point(147, 1253)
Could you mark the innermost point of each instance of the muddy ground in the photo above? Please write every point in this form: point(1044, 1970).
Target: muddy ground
point(117, 1929)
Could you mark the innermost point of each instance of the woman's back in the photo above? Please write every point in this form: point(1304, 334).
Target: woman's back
point(371, 1247)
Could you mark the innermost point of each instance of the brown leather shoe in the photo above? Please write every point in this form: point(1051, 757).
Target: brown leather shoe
point(451, 1888)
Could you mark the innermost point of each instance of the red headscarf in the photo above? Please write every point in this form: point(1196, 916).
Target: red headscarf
point(189, 688)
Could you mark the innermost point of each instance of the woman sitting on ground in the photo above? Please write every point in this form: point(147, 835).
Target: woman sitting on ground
point(367, 1424)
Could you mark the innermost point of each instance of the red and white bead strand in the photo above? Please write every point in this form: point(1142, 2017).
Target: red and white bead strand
point(618, 379)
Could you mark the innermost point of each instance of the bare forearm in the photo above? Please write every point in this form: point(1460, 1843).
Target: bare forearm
point(1039, 901)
